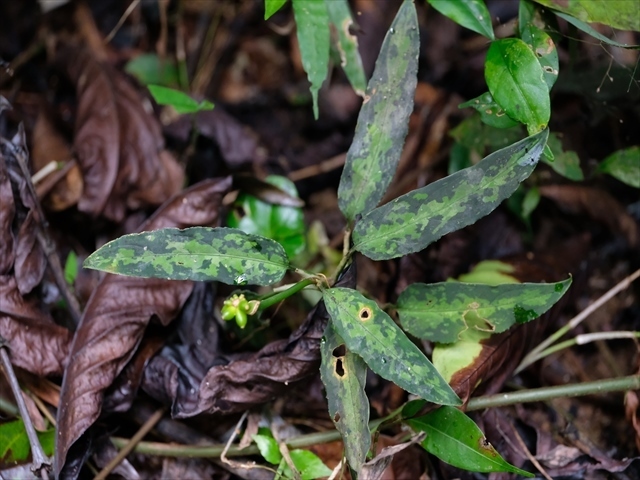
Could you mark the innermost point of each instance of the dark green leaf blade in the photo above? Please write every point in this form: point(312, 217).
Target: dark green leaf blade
point(369, 332)
point(182, 102)
point(622, 14)
point(312, 23)
point(456, 439)
point(383, 120)
point(199, 253)
point(272, 6)
point(516, 81)
point(347, 43)
point(411, 222)
point(624, 165)
point(440, 312)
point(565, 163)
point(490, 112)
point(344, 378)
point(308, 464)
point(544, 48)
point(472, 14)
point(588, 29)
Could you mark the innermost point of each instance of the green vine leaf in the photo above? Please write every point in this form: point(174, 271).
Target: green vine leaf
point(384, 118)
point(414, 220)
point(472, 14)
point(199, 253)
point(455, 439)
point(369, 332)
point(312, 23)
point(182, 102)
point(344, 374)
point(516, 81)
point(440, 312)
point(272, 6)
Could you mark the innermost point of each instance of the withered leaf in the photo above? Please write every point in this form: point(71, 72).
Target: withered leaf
point(117, 315)
point(7, 212)
point(119, 146)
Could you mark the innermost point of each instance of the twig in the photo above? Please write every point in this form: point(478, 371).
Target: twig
point(584, 339)
point(524, 451)
point(41, 463)
point(322, 167)
point(123, 18)
point(575, 321)
point(128, 448)
point(43, 237)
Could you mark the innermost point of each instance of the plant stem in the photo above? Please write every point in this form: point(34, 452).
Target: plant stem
point(631, 382)
point(278, 297)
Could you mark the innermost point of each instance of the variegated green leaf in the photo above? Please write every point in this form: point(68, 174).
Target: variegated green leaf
point(411, 222)
point(622, 14)
point(199, 253)
point(344, 374)
point(456, 439)
point(383, 121)
point(472, 14)
point(516, 81)
point(369, 332)
point(312, 23)
point(440, 312)
point(347, 44)
point(544, 48)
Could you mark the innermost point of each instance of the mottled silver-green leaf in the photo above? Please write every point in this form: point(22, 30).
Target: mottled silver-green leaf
point(384, 118)
point(312, 23)
point(472, 14)
point(199, 253)
point(490, 112)
point(624, 165)
point(411, 222)
point(455, 439)
point(369, 332)
point(347, 44)
point(440, 312)
point(344, 374)
point(516, 81)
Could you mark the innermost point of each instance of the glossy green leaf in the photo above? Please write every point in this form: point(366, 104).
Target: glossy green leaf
point(490, 112)
point(544, 48)
point(71, 268)
point(440, 312)
point(472, 14)
point(182, 102)
point(384, 118)
point(226, 255)
point(565, 163)
point(268, 446)
point(369, 332)
point(347, 44)
point(344, 374)
point(411, 222)
point(283, 224)
point(622, 14)
point(516, 81)
point(312, 23)
point(14, 443)
point(308, 465)
point(272, 6)
point(624, 165)
point(149, 68)
point(455, 439)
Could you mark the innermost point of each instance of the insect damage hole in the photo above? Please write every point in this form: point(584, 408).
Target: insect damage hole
point(365, 314)
point(339, 369)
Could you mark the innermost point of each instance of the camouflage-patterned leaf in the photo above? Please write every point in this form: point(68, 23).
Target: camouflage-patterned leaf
point(344, 378)
point(456, 439)
point(312, 22)
point(472, 14)
point(371, 333)
point(622, 14)
point(490, 112)
point(383, 121)
point(198, 253)
point(441, 311)
point(347, 44)
point(411, 222)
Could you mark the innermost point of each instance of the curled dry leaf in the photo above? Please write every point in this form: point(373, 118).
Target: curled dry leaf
point(118, 145)
point(116, 317)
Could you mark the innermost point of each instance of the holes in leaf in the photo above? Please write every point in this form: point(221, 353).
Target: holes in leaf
point(339, 368)
point(365, 314)
point(239, 212)
point(336, 418)
point(339, 351)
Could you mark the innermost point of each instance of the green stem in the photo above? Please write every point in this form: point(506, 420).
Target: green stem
point(278, 297)
point(631, 382)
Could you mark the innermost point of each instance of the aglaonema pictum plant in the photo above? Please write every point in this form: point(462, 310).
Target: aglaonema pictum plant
point(360, 334)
